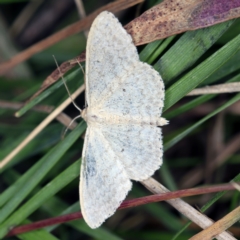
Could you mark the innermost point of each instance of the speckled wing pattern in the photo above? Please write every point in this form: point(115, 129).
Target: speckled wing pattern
point(128, 95)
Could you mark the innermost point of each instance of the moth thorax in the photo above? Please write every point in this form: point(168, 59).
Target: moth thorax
point(84, 114)
point(90, 117)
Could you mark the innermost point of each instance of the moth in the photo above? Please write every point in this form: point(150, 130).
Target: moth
point(124, 99)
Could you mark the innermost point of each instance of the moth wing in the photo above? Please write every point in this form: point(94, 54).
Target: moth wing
point(104, 183)
point(139, 148)
point(109, 54)
point(140, 95)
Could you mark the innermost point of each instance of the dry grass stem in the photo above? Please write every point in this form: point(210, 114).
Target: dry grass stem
point(236, 185)
point(40, 127)
point(216, 89)
point(62, 117)
point(191, 213)
point(81, 12)
point(219, 226)
point(58, 73)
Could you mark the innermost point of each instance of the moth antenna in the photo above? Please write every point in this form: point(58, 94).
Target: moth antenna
point(65, 131)
point(75, 105)
point(80, 65)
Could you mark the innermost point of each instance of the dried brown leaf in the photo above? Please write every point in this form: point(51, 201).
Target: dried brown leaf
point(57, 73)
point(175, 16)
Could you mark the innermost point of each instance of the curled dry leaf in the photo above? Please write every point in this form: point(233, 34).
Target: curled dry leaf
point(175, 16)
point(57, 73)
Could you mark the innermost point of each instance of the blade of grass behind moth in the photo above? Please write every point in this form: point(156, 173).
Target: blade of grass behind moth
point(40, 127)
point(196, 102)
point(152, 51)
point(47, 92)
point(216, 197)
point(43, 195)
point(201, 72)
point(47, 138)
point(149, 49)
point(161, 48)
point(11, 177)
point(230, 67)
point(183, 134)
point(62, 209)
point(44, 166)
point(187, 50)
point(11, 191)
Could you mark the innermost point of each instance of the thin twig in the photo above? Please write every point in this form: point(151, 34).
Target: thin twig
point(58, 72)
point(40, 127)
point(216, 89)
point(81, 12)
point(62, 117)
point(236, 185)
point(219, 226)
point(80, 8)
point(65, 84)
point(191, 213)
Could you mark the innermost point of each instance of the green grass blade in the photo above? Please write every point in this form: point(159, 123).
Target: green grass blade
point(201, 72)
point(48, 91)
point(160, 49)
point(47, 162)
point(188, 49)
point(149, 50)
point(196, 102)
point(44, 194)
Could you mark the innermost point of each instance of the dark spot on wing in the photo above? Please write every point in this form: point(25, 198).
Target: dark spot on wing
point(90, 168)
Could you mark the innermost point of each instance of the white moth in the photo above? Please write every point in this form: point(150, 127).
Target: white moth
point(124, 99)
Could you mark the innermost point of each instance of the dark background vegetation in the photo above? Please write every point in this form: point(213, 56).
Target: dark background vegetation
point(209, 150)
